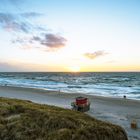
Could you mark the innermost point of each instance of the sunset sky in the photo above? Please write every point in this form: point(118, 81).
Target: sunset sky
point(70, 35)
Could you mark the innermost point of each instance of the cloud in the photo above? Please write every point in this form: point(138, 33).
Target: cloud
point(16, 2)
point(19, 23)
point(6, 67)
point(6, 18)
point(31, 14)
point(24, 67)
point(17, 27)
point(51, 40)
point(18, 66)
point(94, 54)
point(10, 22)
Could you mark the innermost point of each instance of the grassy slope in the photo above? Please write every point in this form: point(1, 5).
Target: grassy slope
point(20, 120)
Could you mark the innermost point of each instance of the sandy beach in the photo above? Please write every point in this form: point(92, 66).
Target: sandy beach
point(115, 110)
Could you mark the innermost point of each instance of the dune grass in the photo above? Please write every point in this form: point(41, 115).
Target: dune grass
point(24, 120)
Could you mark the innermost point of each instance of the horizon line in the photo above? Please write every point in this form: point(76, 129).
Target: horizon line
point(65, 71)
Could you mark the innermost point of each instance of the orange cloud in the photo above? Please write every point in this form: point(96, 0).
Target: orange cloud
point(94, 54)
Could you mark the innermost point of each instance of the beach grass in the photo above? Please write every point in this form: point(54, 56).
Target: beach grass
point(27, 120)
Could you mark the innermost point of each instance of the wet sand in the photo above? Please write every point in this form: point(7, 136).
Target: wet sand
point(115, 110)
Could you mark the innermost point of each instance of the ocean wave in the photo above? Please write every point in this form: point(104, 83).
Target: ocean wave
point(74, 86)
point(103, 84)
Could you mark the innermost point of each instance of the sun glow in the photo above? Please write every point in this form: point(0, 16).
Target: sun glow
point(74, 68)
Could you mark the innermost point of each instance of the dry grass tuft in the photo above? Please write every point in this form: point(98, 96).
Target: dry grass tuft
point(23, 120)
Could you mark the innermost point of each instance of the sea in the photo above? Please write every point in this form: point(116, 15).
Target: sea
point(108, 84)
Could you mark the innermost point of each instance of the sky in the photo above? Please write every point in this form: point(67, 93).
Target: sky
point(69, 35)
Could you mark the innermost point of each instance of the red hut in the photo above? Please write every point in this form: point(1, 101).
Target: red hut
point(81, 104)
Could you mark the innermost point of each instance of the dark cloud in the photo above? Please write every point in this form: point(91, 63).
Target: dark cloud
point(19, 22)
point(36, 38)
point(54, 41)
point(18, 27)
point(94, 54)
point(51, 40)
point(9, 22)
point(31, 14)
point(6, 18)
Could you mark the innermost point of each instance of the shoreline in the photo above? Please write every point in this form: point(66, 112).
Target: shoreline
point(115, 110)
point(43, 90)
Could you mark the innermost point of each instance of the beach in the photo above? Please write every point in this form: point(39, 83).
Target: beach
point(115, 110)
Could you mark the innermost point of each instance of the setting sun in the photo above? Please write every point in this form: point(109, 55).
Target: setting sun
point(74, 68)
